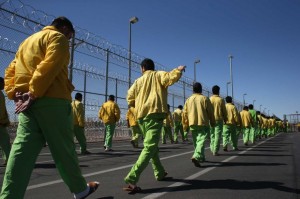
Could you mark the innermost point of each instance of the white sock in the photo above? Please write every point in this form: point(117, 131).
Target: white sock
point(82, 194)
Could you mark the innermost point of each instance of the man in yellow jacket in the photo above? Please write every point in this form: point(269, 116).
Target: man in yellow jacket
point(135, 128)
point(79, 121)
point(167, 127)
point(220, 117)
point(109, 113)
point(148, 95)
point(198, 114)
point(246, 124)
point(177, 117)
point(39, 74)
point(230, 127)
point(4, 122)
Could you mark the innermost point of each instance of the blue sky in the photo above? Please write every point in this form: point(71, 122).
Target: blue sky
point(262, 35)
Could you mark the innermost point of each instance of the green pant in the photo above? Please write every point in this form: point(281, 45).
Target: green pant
point(47, 120)
point(178, 128)
point(215, 135)
point(185, 134)
point(80, 136)
point(166, 132)
point(109, 133)
point(4, 143)
point(136, 133)
point(199, 134)
point(253, 132)
point(230, 135)
point(151, 128)
point(246, 133)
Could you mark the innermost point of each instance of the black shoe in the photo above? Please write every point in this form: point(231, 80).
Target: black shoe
point(85, 152)
point(196, 162)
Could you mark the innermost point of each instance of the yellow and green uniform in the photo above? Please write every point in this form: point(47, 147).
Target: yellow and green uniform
point(135, 128)
point(41, 67)
point(220, 115)
point(109, 113)
point(246, 125)
point(253, 130)
point(148, 95)
point(167, 128)
point(177, 117)
point(198, 114)
point(79, 121)
point(4, 122)
point(229, 130)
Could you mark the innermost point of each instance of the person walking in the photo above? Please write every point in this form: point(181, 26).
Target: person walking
point(79, 122)
point(37, 80)
point(253, 130)
point(246, 124)
point(198, 114)
point(220, 115)
point(230, 133)
point(135, 128)
point(177, 117)
point(148, 95)
point(4, 123)
point(167, 127)
point(109, 113)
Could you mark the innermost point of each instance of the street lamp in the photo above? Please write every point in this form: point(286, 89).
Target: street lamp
point(196, 62)
point(253, 102)
point(244, 98)
point(131, 21)
point(227, 87)
point(231, 75)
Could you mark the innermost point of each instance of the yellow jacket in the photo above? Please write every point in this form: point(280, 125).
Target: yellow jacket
point(198, 111)
point(218, 104)
point(78, 113)
point(232, 115)
point(130, 117)
point(4, 120)
point(41, 66)
point(177, 115)
point(246, 119)
point(109, 112)
point(169, 120)
point(149, 93)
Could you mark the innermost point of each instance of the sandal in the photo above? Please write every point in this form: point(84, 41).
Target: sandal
point(132, 190)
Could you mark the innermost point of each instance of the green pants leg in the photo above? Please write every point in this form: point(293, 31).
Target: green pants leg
point(212, 139)
point(226, 135)
point(166, 133)
point(4, 143)
point(80, 136)
point(178, 129)
point(233, 136)
point(48, 120)
point(246, 132)
point(199, 134)
point(217, 131)
point(152, 130)
point(136, 133)
point(110, 130)
point(252, 134)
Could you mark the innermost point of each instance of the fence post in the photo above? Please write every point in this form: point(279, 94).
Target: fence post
point(72, 58)
point(106, 74)
point(116, 89)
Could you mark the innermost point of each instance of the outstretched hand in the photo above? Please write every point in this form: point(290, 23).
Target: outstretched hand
point(181, 68)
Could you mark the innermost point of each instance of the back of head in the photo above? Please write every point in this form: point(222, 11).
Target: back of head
point(197, 87)
point(245, 108)
point(228, 99)
point(216, 90)
point(250, 106)
point(78, 96)
point(148, 64)
point(111, 97)
point(60, 22)
point(180, 107)
point(1, 83)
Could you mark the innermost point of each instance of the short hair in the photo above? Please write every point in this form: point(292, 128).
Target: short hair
point(111, 97)
point(180, 107)
point(197, 87)
point(258, 112)
point(60, 22)
point(228, 99)
point(78, 96)
point(251, 106)
point(168, 105)
point(1, 80)
point(148, 64)
point(216, 90)
point(245, 108)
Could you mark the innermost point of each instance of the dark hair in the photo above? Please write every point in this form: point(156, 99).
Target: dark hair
point(258, 112)
point(168, 105)
point(250, 106)
point(216, 90)
point(148, 64)
point(180, 107)
point(245, 108)
point(197, 87)
point(111, 97)
point(1, 80)
point(60, 22)
point(228, 99)
point(78, 96)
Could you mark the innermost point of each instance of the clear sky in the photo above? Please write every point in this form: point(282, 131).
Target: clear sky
point(262, 35)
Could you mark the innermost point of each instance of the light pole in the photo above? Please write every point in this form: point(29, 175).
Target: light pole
point(244, 98)
point(231, 75)
point(260, 108)
point(195, 62)
point(227, 87)
point(132, 20)
point(253, 103)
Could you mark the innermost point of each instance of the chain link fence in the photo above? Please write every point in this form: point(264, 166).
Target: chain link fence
point(97, 67)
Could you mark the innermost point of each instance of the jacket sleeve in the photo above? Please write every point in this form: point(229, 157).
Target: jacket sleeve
point(185, 118)
point(80, 115)
point(169, 78)
point(210, 112)
point(10, 80)
point(117, 112)
point(100, 113)
point(131, 95)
